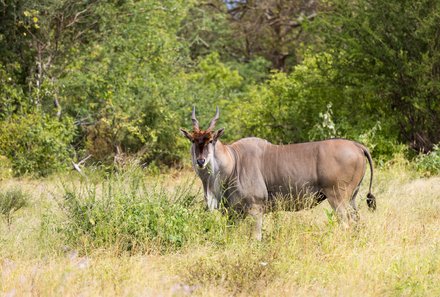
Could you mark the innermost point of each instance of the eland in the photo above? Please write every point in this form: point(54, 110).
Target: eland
point(251, 174)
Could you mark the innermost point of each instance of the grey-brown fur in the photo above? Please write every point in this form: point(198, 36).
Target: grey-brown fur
point(251, 173)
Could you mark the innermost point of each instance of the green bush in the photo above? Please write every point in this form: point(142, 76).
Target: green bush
point(125, 215)
point(36, 144)
point(11, 201)
point(429, 164)
point(307, 105)
point(5, 168)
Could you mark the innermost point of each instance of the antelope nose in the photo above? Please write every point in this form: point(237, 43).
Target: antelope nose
point(200, 162)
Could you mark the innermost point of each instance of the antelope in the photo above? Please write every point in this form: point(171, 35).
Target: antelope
point(250, 174)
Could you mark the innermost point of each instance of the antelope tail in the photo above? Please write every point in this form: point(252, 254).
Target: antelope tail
point(371, 200)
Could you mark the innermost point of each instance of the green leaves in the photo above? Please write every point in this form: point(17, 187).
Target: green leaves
point(36, 144)
point(384, 51)
point(128, 72)
point(125, 214)
point(12, 200)
point(128, 83)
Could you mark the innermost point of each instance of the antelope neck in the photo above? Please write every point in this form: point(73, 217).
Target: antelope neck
point(224, 159)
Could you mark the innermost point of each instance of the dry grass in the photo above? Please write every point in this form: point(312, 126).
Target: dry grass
point(394, 251)
point(99, 275)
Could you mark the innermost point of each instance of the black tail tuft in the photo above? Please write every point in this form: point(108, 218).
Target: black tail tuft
point(371, 201)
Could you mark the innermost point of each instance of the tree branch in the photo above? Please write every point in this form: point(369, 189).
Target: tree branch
point(77, 167)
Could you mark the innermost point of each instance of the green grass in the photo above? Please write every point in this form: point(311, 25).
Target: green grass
point(135, 235)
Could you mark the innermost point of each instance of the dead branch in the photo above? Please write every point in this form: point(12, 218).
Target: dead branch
point(75, 18)
point(77, 166)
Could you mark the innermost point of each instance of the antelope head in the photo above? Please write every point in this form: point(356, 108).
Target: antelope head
point(203, 141)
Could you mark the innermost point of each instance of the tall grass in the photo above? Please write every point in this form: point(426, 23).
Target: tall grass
point(394, 251)
point(126, 214)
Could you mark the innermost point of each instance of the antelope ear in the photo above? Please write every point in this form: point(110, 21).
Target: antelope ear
point(186, 134)
point(218, 134)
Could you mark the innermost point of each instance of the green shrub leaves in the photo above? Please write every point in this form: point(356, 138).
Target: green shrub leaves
point(126, 215)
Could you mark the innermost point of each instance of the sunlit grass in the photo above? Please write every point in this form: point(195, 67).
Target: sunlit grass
point(394, 251)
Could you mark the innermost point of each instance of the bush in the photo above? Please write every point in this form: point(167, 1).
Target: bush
point(429, 164)
point(5, 168)
point(11, 201)
point(125, 215)
point(36, 144)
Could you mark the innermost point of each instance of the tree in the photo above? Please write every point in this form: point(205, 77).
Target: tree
point(125, 88)
point(37, 36)
point(272, 29)
point(389, 52)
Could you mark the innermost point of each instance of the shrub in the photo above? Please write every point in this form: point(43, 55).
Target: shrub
point(5, 168)
point(125, 215)
point(429, 164)
point(11, 201)
point(36, 144)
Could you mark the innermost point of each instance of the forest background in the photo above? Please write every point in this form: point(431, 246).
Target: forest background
point(115, 79)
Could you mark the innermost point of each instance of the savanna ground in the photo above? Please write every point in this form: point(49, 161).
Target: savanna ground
point(138, 235)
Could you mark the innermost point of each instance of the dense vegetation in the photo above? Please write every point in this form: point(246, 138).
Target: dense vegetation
point(116, 79)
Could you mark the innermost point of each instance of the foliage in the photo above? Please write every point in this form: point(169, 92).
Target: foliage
point(36, 144)
point(429, 164)
point(211, 84)
point(124, 75)
point(5, 168)
point(249, 30)
point(125, 214)
point(308, 104)
point(387, 52)
point(326, 128)
point(11, 96)
point(36, 40)
point(125, 88)
point(206, 28)
point(11, 201)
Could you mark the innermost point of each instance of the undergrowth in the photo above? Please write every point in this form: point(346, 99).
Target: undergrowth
point(125, 214)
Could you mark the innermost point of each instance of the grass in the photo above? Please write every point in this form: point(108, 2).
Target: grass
point(73, 238)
